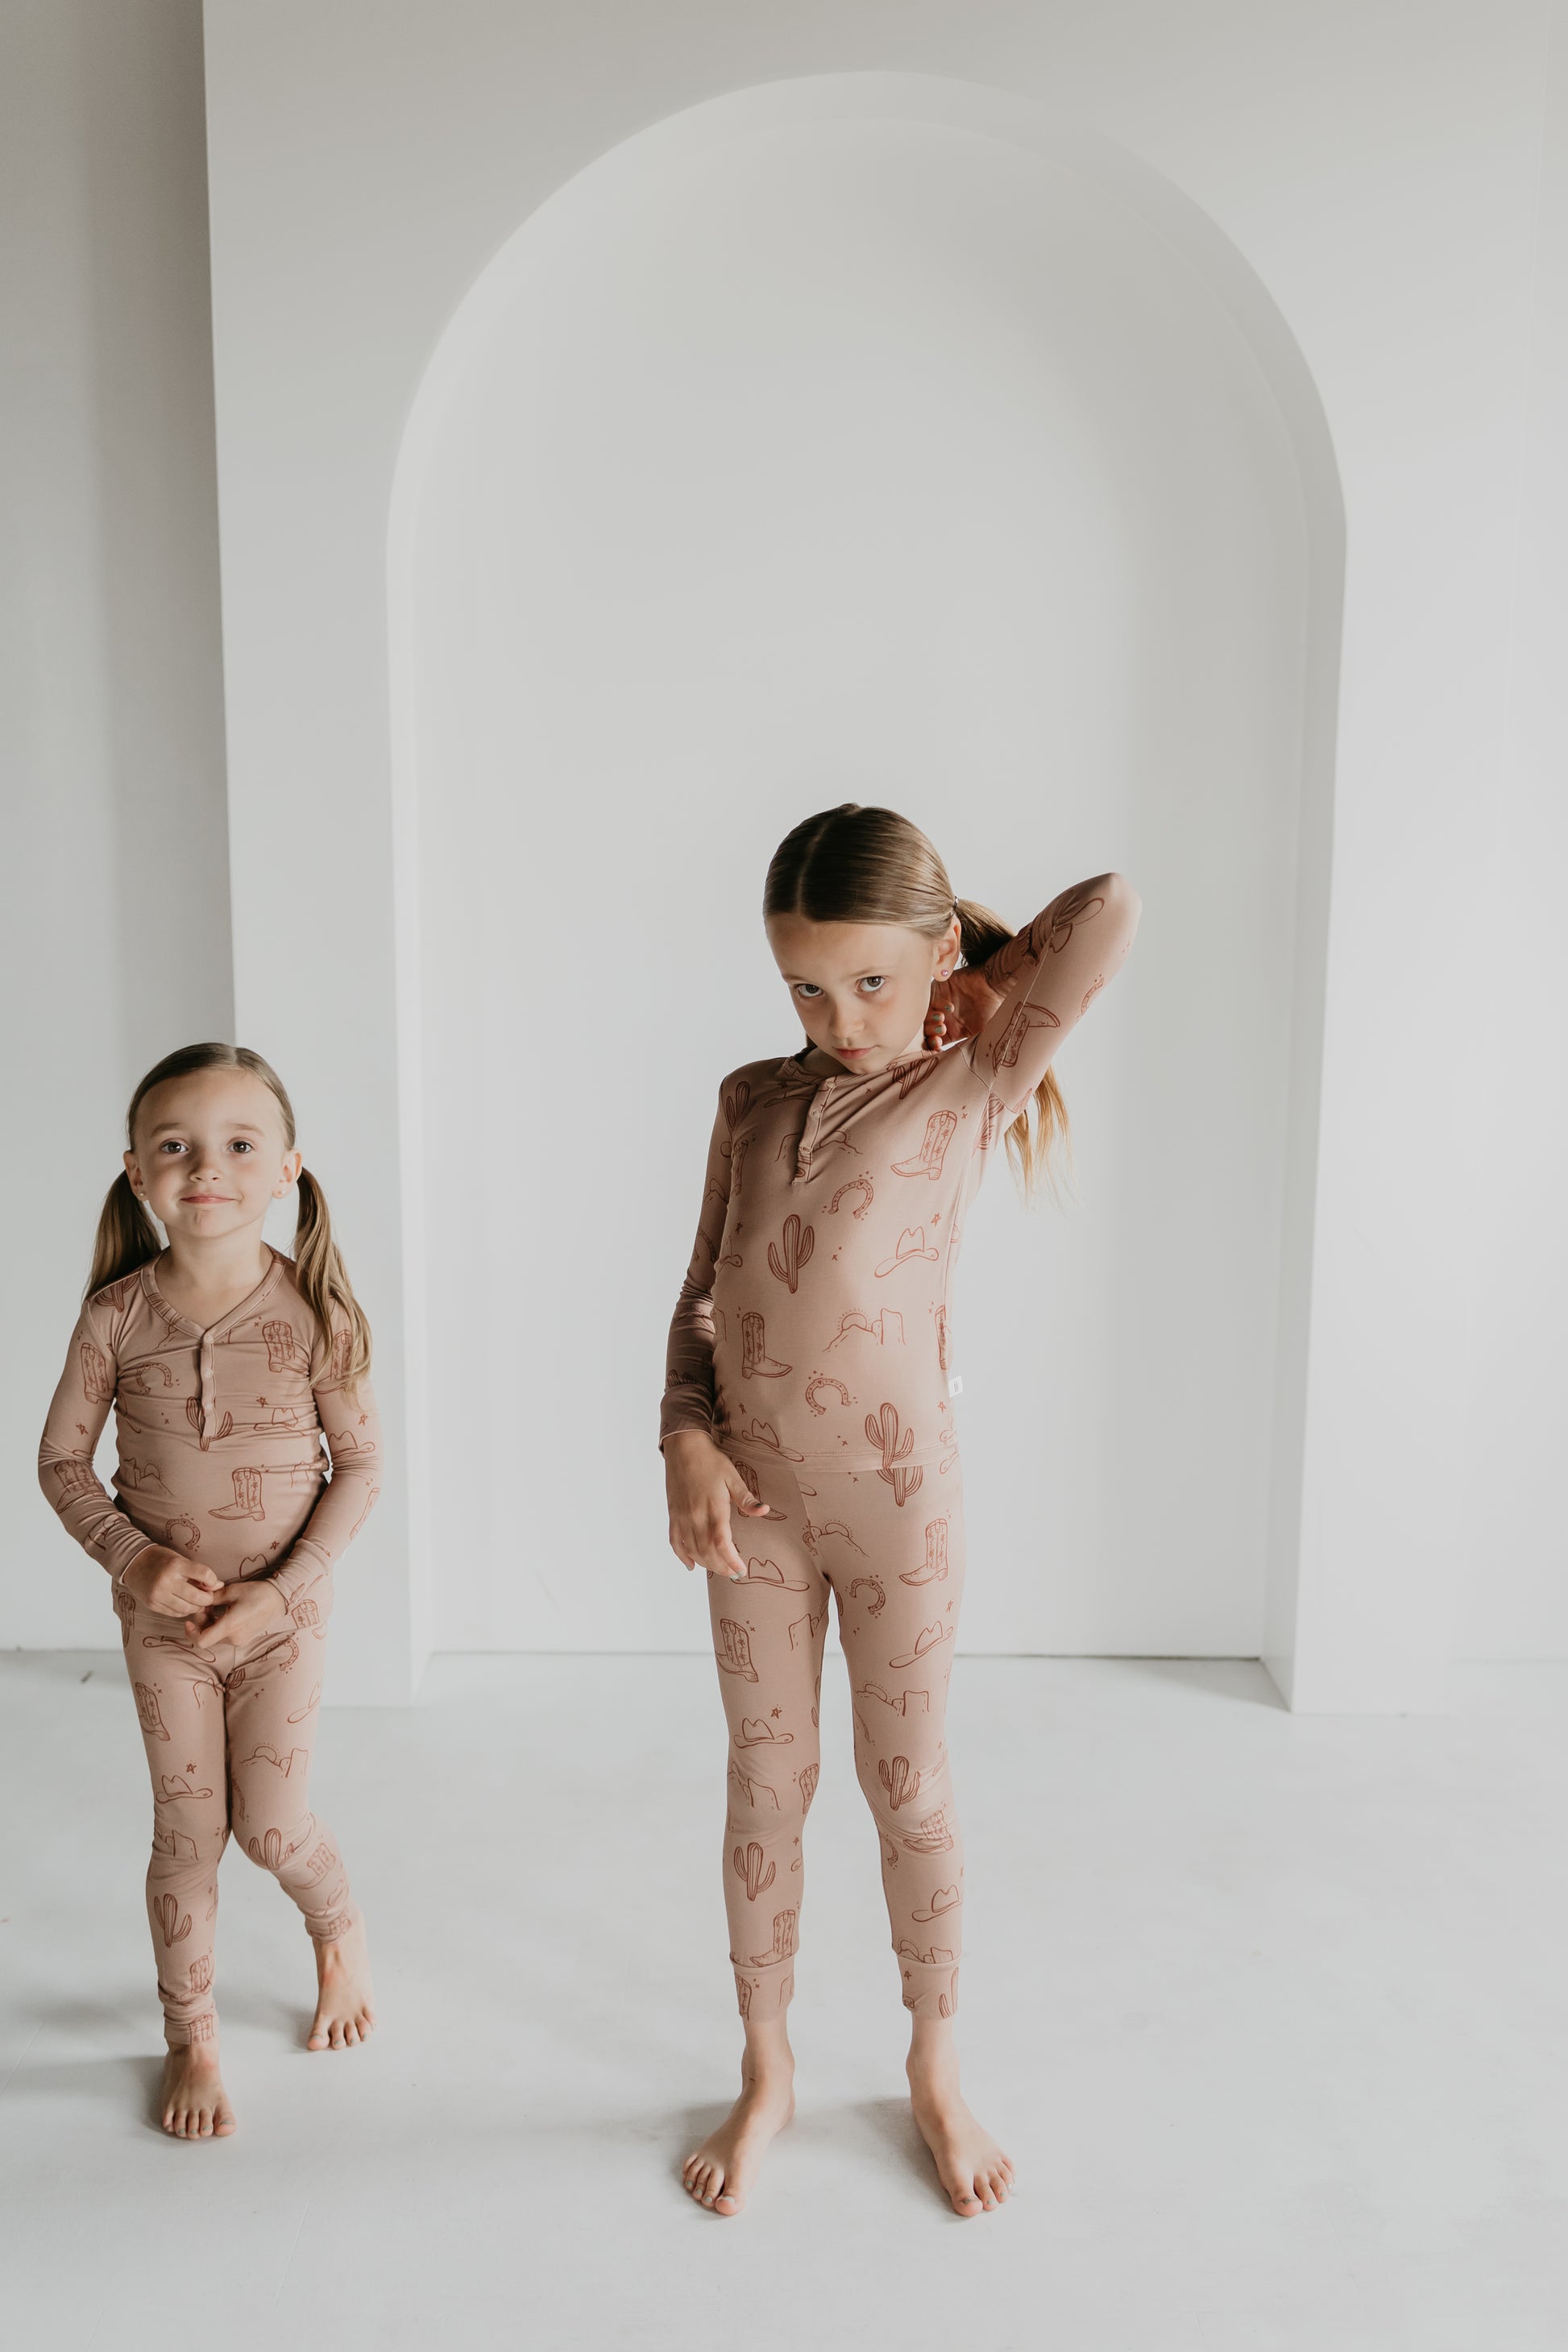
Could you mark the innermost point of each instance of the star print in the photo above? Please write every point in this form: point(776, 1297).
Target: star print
point(81, 1425)
point(778, 1710)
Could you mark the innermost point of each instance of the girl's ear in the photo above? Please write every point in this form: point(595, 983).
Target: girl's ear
point(133, 1171)
point(292, 1163)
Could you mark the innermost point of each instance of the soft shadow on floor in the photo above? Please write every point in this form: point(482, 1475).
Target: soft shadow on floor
point(1244, 1682)
point(131, 2086)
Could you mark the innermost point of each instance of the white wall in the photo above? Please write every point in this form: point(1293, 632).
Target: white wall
point(1507, 1107)
point(114, 942)
point(1374, 161)
point(813, 448)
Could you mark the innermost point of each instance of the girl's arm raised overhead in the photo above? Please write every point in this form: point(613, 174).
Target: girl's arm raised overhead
point(353, 1429)
point(688, 1386)
point(1047, 977)
point(71, 1432)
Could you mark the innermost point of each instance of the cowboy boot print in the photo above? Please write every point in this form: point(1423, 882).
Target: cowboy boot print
point(1024, 1018)
point(821, 1380)
point(754, 1355)
point(735, 1650)
point(931, 1836)
point(934, 1566)
point(743, 1990)
point(203, 2028)
point(884, 1432)
point(856, 1183)
point(148, 1713)
point(748, 1868)
point(940, 1127)
point(76, 1477)
point(898, 1779)
point(247, 1503)
point(991, 1125)
point(808, 1780)
point(166, 1911)
point(125, 1610)
point(201, 1972)
point(98, 1386)
point(786, 1942)
point(284, 1352)
point(319, 1863)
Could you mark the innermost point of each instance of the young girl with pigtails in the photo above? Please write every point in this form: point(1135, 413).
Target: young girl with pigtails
point(810, 1442)
point(228, 1365)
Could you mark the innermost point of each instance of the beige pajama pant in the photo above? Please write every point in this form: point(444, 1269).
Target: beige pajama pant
point(890, 1553)
point(228, 1739)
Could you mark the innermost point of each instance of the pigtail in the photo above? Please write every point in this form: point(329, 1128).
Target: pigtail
point(1030, 1147)
point(323, 1284)
point(127, 1237)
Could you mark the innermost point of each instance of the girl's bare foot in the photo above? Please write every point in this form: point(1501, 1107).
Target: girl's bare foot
point(196, 2104)
point(719, 2175)
point(970, 2165)
point(345, 2004)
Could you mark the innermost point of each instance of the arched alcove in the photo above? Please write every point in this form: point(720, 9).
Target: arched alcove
point(877, 437)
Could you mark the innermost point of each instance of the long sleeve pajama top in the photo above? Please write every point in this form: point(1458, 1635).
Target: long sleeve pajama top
point(814, 1324)
point(220, 1433)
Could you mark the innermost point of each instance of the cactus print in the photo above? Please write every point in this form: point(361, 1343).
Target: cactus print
point(773, 1764)
point(932, 1122)
point(221, 1435)
point(928, 1125)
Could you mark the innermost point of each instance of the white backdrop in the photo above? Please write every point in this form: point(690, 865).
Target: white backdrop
point(869, 459)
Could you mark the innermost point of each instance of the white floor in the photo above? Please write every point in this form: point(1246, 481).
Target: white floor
point(1269, 2011)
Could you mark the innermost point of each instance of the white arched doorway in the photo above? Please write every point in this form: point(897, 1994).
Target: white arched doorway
point(867, 438)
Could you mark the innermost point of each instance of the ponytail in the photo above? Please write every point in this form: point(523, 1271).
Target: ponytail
point(323, 1284)
point(127, 1237)
point(1029, 1148)
point(857, 864)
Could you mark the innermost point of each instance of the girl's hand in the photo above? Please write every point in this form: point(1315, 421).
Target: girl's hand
point(960, 1006)
point(240, 1613)
point(703, 1486)
point(168, 1584)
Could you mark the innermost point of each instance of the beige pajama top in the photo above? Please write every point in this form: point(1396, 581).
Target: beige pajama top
point(814, 1322)
point(220, 1433)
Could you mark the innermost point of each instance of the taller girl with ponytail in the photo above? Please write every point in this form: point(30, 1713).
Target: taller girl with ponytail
point(229, 1367)
point(809, 1382)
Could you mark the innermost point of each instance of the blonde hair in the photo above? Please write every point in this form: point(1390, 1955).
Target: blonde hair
point(127, 1237)
point(854, 865)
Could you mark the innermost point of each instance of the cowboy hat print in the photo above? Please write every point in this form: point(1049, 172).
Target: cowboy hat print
point(929, 1638)
point(911, 1245)
point(756, 1733)
point(946, 1898)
